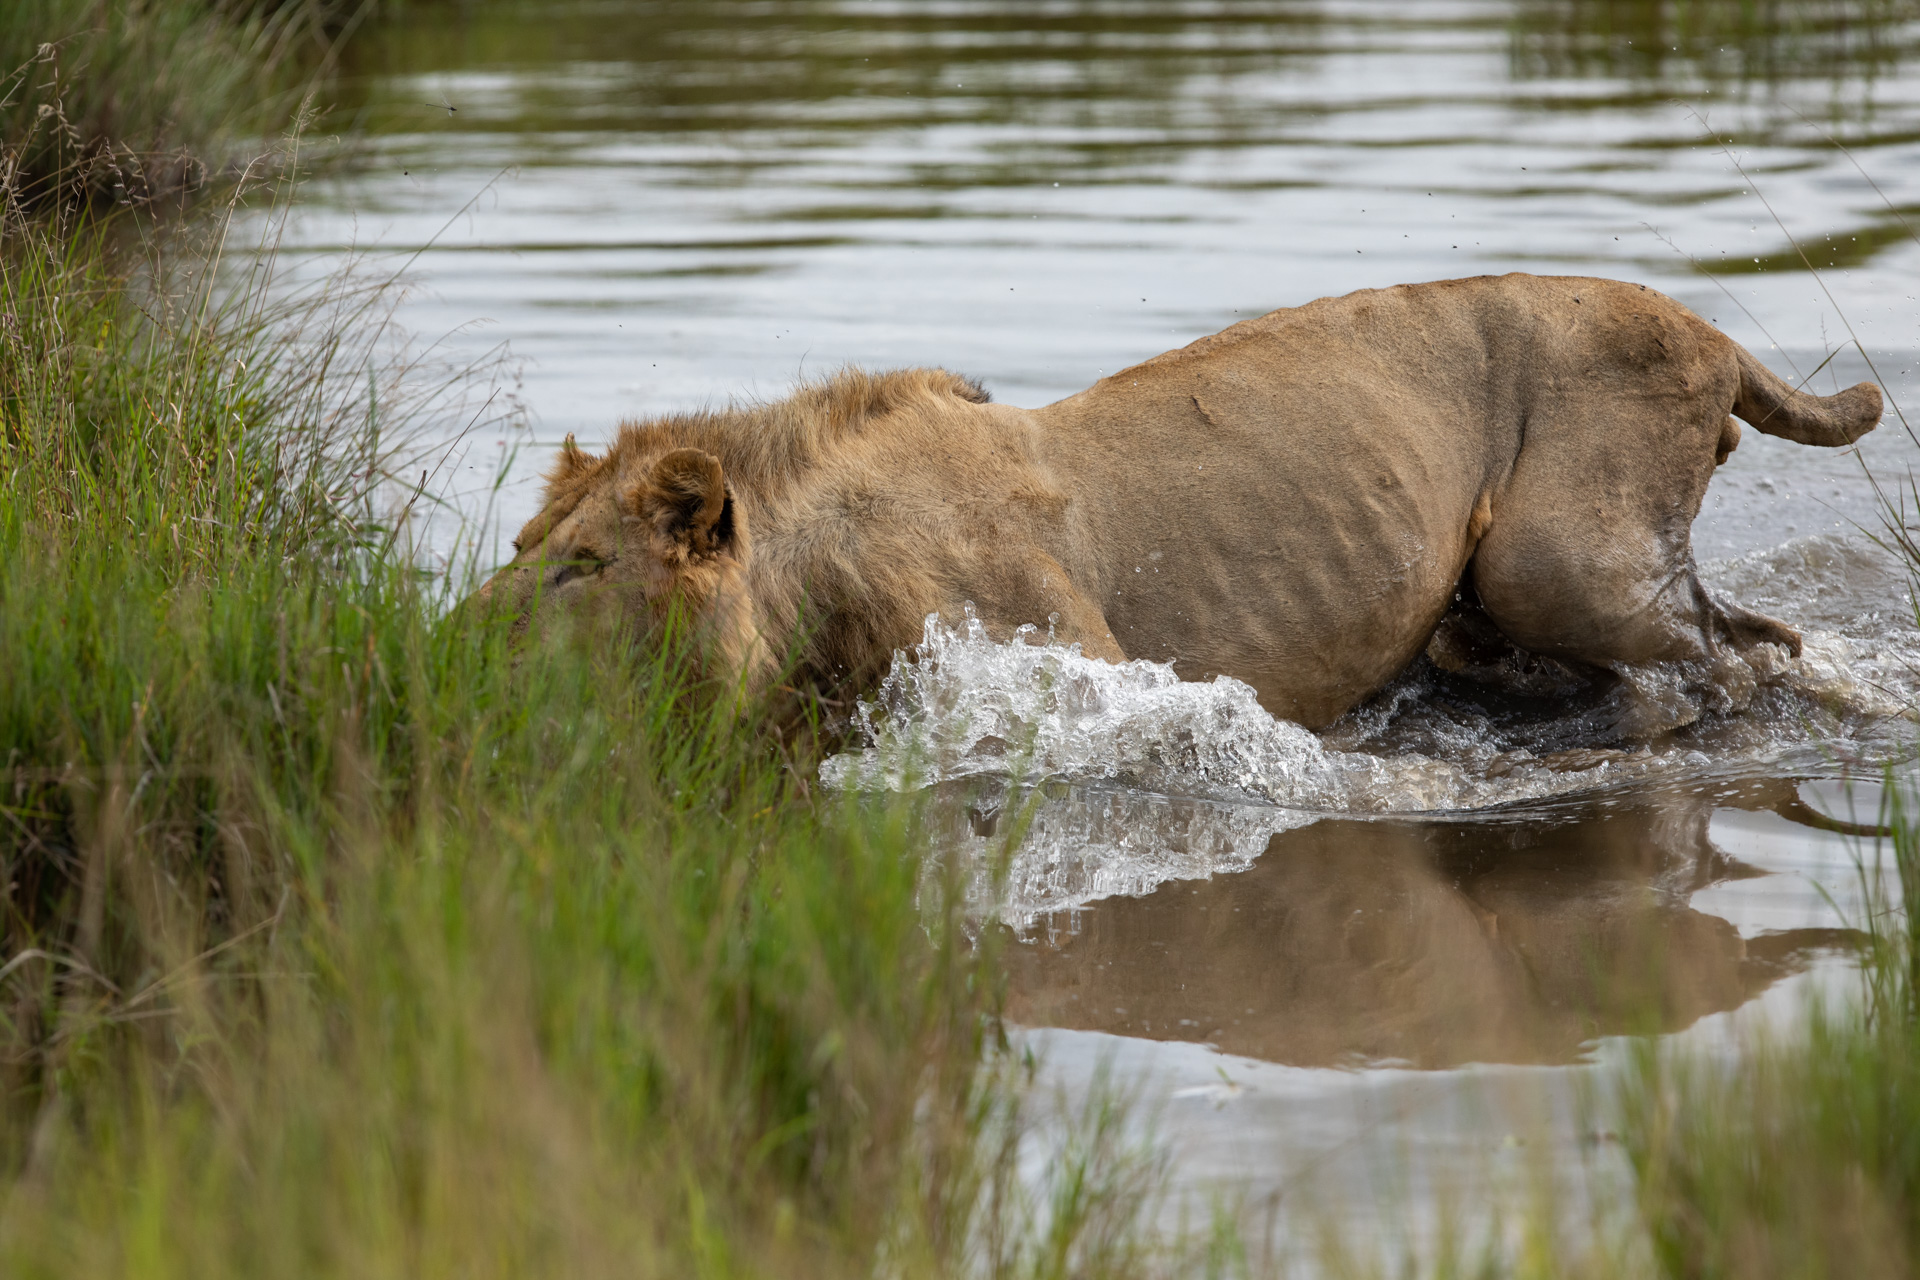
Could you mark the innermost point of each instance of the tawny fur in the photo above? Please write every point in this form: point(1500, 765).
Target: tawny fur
point(1291, 501)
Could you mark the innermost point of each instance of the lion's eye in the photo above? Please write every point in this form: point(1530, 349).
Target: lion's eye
point(581, 568)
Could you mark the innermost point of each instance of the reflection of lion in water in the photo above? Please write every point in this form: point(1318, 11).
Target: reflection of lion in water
point(1292, 501)
point(1430, 942)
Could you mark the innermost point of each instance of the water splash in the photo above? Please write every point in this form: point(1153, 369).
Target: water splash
point(962, 706)
point(1032, 854)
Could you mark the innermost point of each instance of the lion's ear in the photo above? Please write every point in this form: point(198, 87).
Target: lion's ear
point(686, 502)
point(572, 461)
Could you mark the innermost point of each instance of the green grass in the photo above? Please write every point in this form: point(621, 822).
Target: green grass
point(341, 938)
point(1803, 1158)
point(132, 100)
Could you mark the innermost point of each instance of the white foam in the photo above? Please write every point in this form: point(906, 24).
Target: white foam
point(1029, 855)
point(962, 706)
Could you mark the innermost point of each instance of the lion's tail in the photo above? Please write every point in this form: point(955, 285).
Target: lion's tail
point(1777, 409)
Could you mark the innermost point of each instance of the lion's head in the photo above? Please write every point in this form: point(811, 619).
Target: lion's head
point(646, 537)
point(655, 532)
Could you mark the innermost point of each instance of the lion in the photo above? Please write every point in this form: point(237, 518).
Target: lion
point(1297, 501)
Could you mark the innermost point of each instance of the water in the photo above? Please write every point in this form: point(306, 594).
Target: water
point(1394, 948)
point(961, 706)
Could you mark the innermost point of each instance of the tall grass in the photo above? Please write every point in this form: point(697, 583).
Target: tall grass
point(1802, 1158)
point(343, 938)
point(133, 100)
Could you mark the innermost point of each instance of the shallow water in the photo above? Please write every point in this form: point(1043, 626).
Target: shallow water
point(663, 205)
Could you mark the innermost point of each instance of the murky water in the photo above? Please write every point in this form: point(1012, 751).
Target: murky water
point(663, 205)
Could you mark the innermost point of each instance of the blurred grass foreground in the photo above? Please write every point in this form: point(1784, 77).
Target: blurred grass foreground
point(1802, 1157)
point(335, 942)
point(338, 943)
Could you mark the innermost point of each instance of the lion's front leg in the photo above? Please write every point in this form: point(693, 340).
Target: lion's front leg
point(1019, 587)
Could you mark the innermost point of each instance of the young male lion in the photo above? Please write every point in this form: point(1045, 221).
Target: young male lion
point(1292, 501)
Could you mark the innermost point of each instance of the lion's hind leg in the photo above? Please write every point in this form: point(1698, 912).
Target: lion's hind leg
point(1624, 594)
point(1744, 629)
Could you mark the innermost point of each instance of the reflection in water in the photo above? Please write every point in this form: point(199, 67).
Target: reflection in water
point(1027, 854)
point(821, 69)
point(1428, 943)
point(716, 65)
point(1718, 42)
